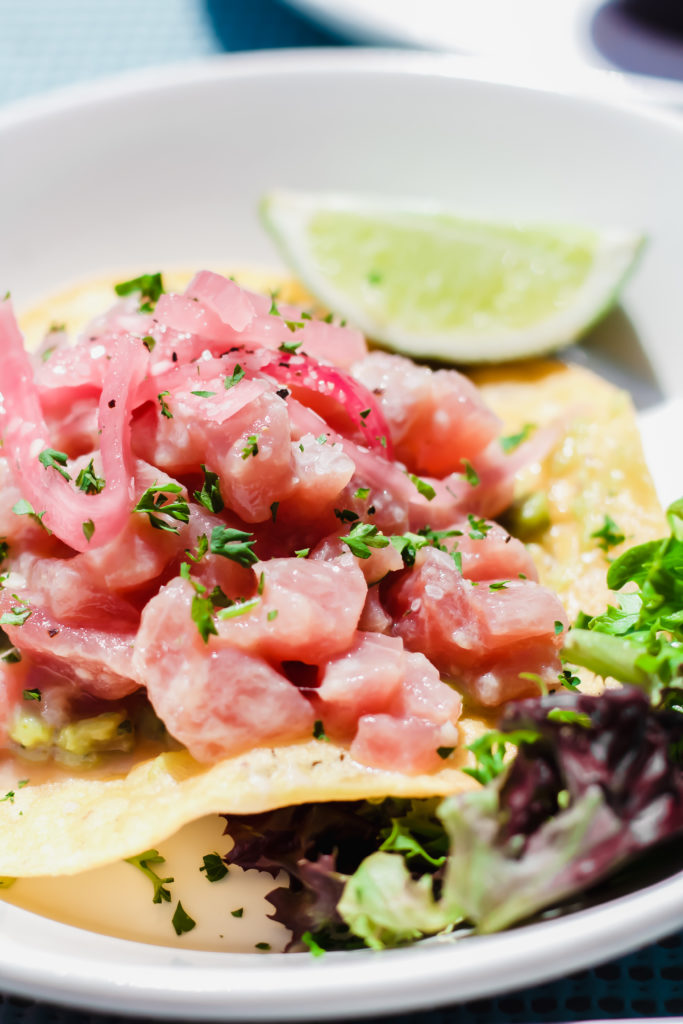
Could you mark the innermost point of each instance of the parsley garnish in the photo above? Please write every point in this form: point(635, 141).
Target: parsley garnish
point(155, 500)
point(425, 489)
point(203, 394)
point(202, 548)
point(88, 480)
point(273, 311)
point(272, 615)
point(262, 945)
point(345, 515)
point(239, 608)
point(319, 731)
point(142, 863)
point(202, 606)
point(17, 615)
point(25, 508)
point(149, 342)
point(181, 921)
point(234, 378)
point(214, 867)
point(363, 536)
point(470, 473)
point(52, 459)
point(32, 694)
point(559, 627)
point(302, 552)
point(210, 495)
point(88, 528)
point(233, 544)
point(165, 411)
point(609, 534)
point(568, 680)
point(444, 752)
point(478, 527)
point(363, 493)
point(251, 447)
point(150, 286)
point(512, 441)
point(500, 585)
point(237, 913)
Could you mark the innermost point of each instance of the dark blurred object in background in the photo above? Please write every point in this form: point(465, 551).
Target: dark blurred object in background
point(641, 36)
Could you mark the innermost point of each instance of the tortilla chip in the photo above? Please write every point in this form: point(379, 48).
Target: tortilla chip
point(70, 823)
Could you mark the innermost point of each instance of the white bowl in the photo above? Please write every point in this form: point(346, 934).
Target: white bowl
point(166, 168)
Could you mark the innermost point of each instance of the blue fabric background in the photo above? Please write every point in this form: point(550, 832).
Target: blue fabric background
point(45, 44)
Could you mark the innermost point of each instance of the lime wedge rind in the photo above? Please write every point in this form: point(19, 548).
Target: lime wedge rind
point(613, 254)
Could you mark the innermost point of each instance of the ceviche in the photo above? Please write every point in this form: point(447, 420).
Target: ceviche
point(252, 568)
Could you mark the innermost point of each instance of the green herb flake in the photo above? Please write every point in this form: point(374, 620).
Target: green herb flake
point(444, 752)
point(425, 489)
point(292, 325)
point(239, 608)
point(362, 494)
point(17, 615)
point(234, 378)
point(362, 537)
point(210, 494)
point(609, 535)
point(149, 342)
point(52, 459)
point(569, 680)
point(478, 527)
point(237, 913)
point(142, 863)
point(470, 473)
point(165, 411)
point(512, 441)
point(272, 615)
point(88, 528)
point(302, 552)
point(569, 717)
point(88, 480)
point(8, 797)
point(32, 694)
point(559, 627)
point(156, 502)
point(319, 731)
point(346, 515)
point(262, 945)
point(251, 447)
point(499, 585)
point(489, 751)
point(214, 867)
point(203, 394)
point(181, 920)
point(233, 544)
point(150, 287)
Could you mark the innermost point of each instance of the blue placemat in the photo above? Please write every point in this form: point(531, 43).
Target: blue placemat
point(45, 44)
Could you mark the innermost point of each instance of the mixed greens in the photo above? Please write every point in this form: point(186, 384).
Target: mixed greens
point(593, 782)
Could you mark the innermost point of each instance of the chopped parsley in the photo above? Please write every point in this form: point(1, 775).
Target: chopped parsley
point(609, 535)
point(202, 548)
point(233, 544)
point(214, 867)
point(444, 752)
point(345, 515)
point(262, 945)
point(272, 615)
point(25, 508)
point(425, 489)
point(156, 502)
point(470, 473)
point(308, 940)
point(478, 527)
point(362, 494)
point(234, 378)
point(202, 606)
point(302, 552)
point(239, 608)
point(512, 441)
point(210, 494)
point(569, 680)
point(165, 411)
point(319, 731)
point(149, 342)
point(499, 585)
point(251, 447)
point(17, 615)
point(237, 913)
point(150, 287)
point(142, 863)
point(363, 536)
point(559, 627)
point(32, 694)
point(88, 528)
point(52, 459)
point(203, 394)
point(88, 480)
point(181, 920)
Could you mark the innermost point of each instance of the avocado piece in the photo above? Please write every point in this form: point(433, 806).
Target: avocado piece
point(30, 731)
point(109, 731)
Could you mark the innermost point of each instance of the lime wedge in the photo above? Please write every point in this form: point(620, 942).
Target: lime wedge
point(433, 284)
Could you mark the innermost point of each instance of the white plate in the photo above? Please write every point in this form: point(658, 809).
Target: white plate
point(562, 34)
point(166, 168)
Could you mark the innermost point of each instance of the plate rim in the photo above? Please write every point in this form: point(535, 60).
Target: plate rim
point(197, 984)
